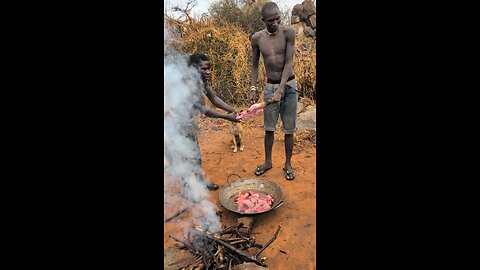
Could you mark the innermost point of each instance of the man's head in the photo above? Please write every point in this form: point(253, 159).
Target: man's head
point(271, 16)
point(202, 63)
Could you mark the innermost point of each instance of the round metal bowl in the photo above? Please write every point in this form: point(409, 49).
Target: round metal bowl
point(227, 193)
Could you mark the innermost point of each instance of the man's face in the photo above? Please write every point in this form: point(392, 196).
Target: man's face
point(271, 18)
point(204, 69)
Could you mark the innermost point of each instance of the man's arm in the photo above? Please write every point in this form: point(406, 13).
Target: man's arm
point(255, 59)
point(213, 114)
point(290, 51)
point(219, 102)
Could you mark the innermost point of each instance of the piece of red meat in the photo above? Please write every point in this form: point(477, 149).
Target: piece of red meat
point(253, 202)
point(252, 111)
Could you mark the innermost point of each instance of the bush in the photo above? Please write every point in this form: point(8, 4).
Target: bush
point(229, 49)
point(240, 13)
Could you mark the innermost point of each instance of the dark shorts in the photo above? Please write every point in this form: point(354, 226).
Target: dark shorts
point(286, 108)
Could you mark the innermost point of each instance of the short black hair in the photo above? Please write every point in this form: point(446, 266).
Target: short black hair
point(196, 57)
point(269, 6)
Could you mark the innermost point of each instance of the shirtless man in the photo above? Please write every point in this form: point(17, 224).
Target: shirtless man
point(202, 63)
point(276, 43)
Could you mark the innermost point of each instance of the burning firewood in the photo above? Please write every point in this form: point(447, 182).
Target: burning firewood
point(217, 251)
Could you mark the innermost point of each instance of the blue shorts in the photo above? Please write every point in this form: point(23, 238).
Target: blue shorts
point(286, 108)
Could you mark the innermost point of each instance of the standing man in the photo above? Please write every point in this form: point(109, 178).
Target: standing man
point(276, 43)
point(202, 63)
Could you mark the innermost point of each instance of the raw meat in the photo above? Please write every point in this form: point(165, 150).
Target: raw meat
point(252, 111)
point(253, 202)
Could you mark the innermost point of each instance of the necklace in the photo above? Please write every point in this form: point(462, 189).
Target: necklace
point(271, 34)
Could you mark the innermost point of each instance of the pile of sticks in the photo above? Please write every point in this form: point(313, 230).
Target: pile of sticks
point(220, 250)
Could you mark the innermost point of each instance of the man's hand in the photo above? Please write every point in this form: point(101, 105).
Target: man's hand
point(276, 97)
point(253, 94)
point(235, 111)
point(253, 97)
point(231, 117)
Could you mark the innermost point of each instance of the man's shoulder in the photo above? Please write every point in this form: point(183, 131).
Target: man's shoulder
point(258, 34)
point(208, 89)
point(288, 29)
point(289, 32)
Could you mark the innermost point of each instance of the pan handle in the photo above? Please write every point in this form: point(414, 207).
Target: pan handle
point(231, 175)
point(280, 204)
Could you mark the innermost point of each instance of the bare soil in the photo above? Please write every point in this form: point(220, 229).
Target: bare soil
point(295, 247)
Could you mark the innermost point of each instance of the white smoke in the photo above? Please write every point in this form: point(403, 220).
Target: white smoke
point(182, 173)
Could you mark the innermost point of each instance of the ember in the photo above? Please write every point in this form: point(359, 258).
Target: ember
point(253, 202)
point(217, 251)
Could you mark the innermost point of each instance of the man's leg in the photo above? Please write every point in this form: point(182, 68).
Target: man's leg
point(288, 113)
point(198, 161)
point(288, 151)
point(268, 142)
point(270, 117)
point(210, 185)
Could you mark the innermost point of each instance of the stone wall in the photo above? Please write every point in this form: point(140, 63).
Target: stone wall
point(304, 19)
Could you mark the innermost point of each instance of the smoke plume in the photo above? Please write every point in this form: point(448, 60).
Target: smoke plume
point(183, 185)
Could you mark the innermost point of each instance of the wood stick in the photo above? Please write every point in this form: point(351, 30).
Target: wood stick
point(228, 228)
point(205, 259)
point(240, 238)
point(189, 239)
point(269, 242)
point(232, 229)
point(225, 244)
point(221, 257)
point(185, 244)
point(247, 256)
point(176, 215)
point(208, 250)
point(239, 241)
point(198, 267)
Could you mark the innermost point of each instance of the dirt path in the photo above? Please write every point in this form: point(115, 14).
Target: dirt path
point(297, 215)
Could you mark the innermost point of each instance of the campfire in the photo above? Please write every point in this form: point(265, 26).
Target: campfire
point(221, 250)
point(213, 248)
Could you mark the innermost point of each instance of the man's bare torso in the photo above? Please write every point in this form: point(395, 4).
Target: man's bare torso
point(273, 50)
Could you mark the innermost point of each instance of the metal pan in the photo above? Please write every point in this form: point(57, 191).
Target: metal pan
point(227, 193)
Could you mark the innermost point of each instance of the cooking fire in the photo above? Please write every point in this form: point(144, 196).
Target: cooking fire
point(221, 250)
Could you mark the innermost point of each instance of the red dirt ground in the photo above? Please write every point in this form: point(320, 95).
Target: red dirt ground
point(297, 215)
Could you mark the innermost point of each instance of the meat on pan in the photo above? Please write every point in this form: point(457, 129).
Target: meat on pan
point(253, 202)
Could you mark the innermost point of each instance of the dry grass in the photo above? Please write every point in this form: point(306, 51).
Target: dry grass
point(228, 47)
